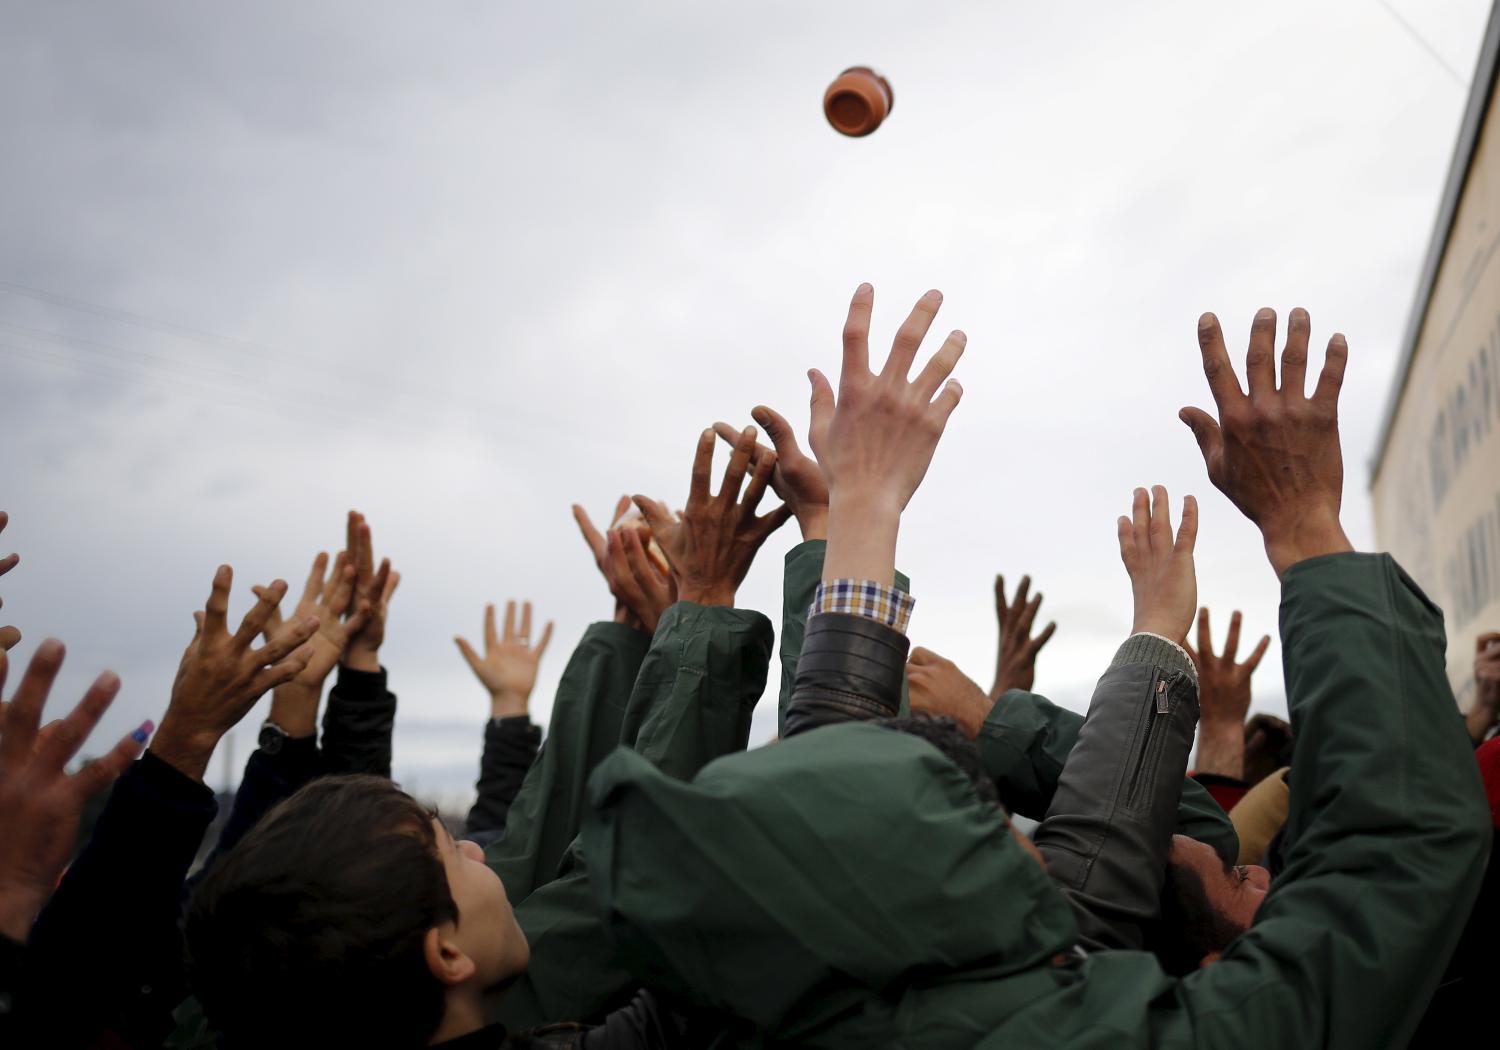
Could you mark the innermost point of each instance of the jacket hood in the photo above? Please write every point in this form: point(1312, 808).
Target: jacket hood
point(786, 884)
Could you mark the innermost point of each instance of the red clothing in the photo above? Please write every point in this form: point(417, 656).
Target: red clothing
point(1226, 791)
point(1488, 755)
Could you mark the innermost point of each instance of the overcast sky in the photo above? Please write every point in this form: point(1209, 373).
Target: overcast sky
point(460, 265)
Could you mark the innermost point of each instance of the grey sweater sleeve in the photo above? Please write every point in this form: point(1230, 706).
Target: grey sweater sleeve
point(1109, 828)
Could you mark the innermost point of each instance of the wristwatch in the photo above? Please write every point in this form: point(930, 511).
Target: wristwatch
point(272, 737)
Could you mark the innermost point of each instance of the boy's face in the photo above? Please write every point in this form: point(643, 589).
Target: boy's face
point(1234, 892)
point(487, 930)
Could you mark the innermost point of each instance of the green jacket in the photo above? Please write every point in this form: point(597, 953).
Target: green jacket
point(1024, 741)
point(690, 702)
point(585, 726)
point(846, 888)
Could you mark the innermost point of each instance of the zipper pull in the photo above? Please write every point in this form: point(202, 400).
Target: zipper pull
point(1162, 707)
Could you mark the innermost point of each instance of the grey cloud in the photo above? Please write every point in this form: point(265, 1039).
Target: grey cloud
point(479, 261)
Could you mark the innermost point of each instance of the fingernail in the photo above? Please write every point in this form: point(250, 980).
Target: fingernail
point(934, 295)
point(759, 415)
point(143, 732)
point(865, 288)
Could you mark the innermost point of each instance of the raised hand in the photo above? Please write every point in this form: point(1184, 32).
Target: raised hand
point(222, 674)
point(39, 802)
point(1015, 667)
point(9, 636)
point(875, 440)
point(373, 589)
point(328, 598)
point(879, 434)
point(1275, 451)
point(509, 665)
point(636, 578)
point(1268, 742)
point(796, 479)
point(642, 590)
point(1486, 709)
point(1162, 577)
point(935, 686)
point(1224, 698)
point(711, 545)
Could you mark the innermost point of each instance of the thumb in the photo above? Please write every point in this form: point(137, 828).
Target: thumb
point(469, 655)
point(621, 506)
point(273, 619)
point(356, 623)
point(1206, 430)
point(777, 429)
point(821, 407)
point(1187, 531)
point(655, 514)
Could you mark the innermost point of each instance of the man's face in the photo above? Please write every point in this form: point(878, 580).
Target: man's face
point(487, 930)
point(1234, 891)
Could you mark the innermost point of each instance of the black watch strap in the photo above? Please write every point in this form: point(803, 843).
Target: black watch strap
point(272, 737)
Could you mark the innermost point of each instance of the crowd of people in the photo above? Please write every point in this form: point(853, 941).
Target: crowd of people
point(915, 861)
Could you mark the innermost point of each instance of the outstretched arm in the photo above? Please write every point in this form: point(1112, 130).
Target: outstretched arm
point(1024, 741)
point(1015, 665)
point(40, 806)
point(874, 442)
point(507, 670)
point(1224, 696)
point(360, 717)
point(288, 756)
point(126, 885)
point(1377, 883)
point(692, 703)
point(1109, 828)
point(588, 712)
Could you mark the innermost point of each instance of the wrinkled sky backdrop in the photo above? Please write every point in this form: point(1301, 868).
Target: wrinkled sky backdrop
point(461, 265)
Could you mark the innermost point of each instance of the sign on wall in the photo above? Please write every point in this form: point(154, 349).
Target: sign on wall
point(1436, 483)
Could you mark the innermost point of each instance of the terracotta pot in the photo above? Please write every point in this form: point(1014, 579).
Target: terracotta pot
point(858, 101)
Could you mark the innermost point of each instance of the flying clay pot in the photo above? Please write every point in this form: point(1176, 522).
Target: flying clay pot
point(857, 101)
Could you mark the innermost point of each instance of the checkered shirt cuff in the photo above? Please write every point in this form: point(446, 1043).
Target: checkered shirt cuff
point(873, 601)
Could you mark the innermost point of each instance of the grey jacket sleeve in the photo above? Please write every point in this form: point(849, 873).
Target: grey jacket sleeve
point(1109, 828)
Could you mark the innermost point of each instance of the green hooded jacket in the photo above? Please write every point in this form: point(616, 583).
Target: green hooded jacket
point(584, 727)
point(847, 888)
point(690, 702)
point(1025, 739)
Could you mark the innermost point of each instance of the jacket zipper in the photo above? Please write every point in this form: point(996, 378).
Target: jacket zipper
point(1161, 705)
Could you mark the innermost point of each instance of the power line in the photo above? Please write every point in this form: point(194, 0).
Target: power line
point(241, 384)
point(1412, 32)
point(80, 342)
point(101, 370)
point(169, 327)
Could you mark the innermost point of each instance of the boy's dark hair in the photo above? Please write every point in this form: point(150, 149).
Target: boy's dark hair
point(309, 932)
point(1190, 927)
point(944, 734)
